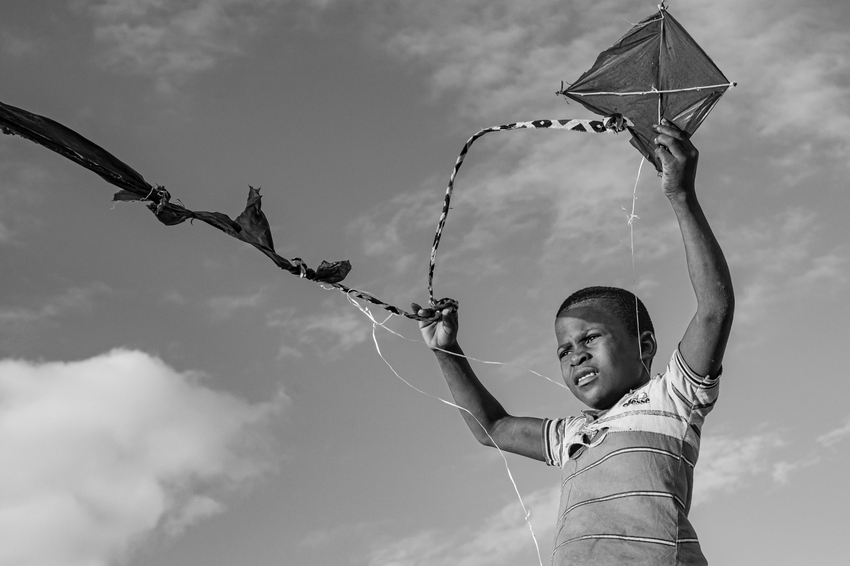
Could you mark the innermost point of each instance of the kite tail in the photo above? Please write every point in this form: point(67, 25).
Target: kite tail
point(615, 124)
point(251, 226)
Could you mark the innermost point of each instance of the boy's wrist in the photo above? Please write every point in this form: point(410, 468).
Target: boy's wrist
point(449, 350)
point(682, 196)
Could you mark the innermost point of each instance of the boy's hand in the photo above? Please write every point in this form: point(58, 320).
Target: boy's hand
point(440, 333)
point(678, 158)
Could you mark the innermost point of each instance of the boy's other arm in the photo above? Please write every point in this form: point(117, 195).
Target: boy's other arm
point(704, 342)
point(488, 421)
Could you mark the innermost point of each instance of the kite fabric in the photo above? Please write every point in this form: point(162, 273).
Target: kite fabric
point(655, 71)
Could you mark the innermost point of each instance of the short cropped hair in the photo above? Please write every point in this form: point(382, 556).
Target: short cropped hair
point(619, 302)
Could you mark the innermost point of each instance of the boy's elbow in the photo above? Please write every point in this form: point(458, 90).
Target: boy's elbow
point(488, 435)
point(485, 438)
point(719, 314)
point(720, 307)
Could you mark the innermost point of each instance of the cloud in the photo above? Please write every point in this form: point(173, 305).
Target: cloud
point(835, 436)
point(17, 194)
point(387, 229)
point(226, 306)
point(501, 539)
point(74, 299)
point(822, 451)
point(101, 453)
point(789, 257)
point(791, 65)
point(330, 334)
point(171, 41)
point(728, 462)
point(15, 46)
point(497, 55)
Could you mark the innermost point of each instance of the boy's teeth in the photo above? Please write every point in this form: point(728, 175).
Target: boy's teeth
point(588, 376)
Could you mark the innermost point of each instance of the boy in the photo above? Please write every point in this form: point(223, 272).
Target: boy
point(628, 461)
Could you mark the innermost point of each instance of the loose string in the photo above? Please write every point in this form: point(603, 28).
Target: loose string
point(383, 325)
point(631, 217)
point(375, 325)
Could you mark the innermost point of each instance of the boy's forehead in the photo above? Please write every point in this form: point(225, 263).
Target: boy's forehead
point(585, 314)
point(592, 310)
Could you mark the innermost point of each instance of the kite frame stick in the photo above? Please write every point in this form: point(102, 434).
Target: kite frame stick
point(653, 91)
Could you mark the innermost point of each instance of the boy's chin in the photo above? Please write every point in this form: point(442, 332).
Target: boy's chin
point(599, 402)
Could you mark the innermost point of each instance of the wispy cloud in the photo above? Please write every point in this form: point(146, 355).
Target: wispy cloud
point(109, 449)
point(226, 306)
point(171, 41)
point(75, 299)
point(500, 539)
point(331, 333)
point(833, 437)
point(790, 258)
point(728, 462)
point(16, 46)
point(16, 195)
point(496, 56)
point(792, 70)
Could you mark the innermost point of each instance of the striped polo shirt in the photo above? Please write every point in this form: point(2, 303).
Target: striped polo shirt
point(628, 474)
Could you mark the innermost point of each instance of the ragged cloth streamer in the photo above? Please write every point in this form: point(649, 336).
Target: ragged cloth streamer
point(656, 70)
point(251, 226)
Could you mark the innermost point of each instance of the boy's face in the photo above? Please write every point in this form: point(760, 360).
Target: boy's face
point(600, 359)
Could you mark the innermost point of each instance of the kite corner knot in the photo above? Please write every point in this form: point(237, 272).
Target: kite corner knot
point(159, 197)
point(614, 123)
point(444, 303)
point(303, 270)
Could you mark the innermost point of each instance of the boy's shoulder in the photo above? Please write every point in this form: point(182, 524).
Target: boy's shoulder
point(673, 403)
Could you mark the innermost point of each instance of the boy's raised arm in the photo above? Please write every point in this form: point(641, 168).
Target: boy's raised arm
point(491, 423)
point(705, 339)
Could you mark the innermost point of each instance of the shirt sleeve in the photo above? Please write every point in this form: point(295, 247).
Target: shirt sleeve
point(556, 436)
point(697, 393)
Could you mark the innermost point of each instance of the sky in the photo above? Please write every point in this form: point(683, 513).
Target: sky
point(169, 396)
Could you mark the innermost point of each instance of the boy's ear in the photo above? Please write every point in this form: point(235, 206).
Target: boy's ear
point(648, 345)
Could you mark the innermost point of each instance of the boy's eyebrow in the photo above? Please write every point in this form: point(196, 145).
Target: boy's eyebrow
point(569, 342)
point(580, 336)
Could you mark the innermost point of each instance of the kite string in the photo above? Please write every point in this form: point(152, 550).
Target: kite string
point(351, 292)
point(630, 219)
point(375, 325)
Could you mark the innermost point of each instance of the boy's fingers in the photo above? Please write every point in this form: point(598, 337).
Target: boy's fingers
point(424, 313)
point(671, 129)
point(674, 146)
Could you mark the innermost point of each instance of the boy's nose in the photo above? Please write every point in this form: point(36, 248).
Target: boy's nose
point(579, 358)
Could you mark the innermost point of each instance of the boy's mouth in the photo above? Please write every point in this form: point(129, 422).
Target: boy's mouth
point(585, 376)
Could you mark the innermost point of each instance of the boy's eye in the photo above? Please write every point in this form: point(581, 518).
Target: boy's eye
point(563, 354)
point(590, 339)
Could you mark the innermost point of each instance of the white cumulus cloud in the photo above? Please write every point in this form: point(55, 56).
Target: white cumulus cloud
point(102, 452)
